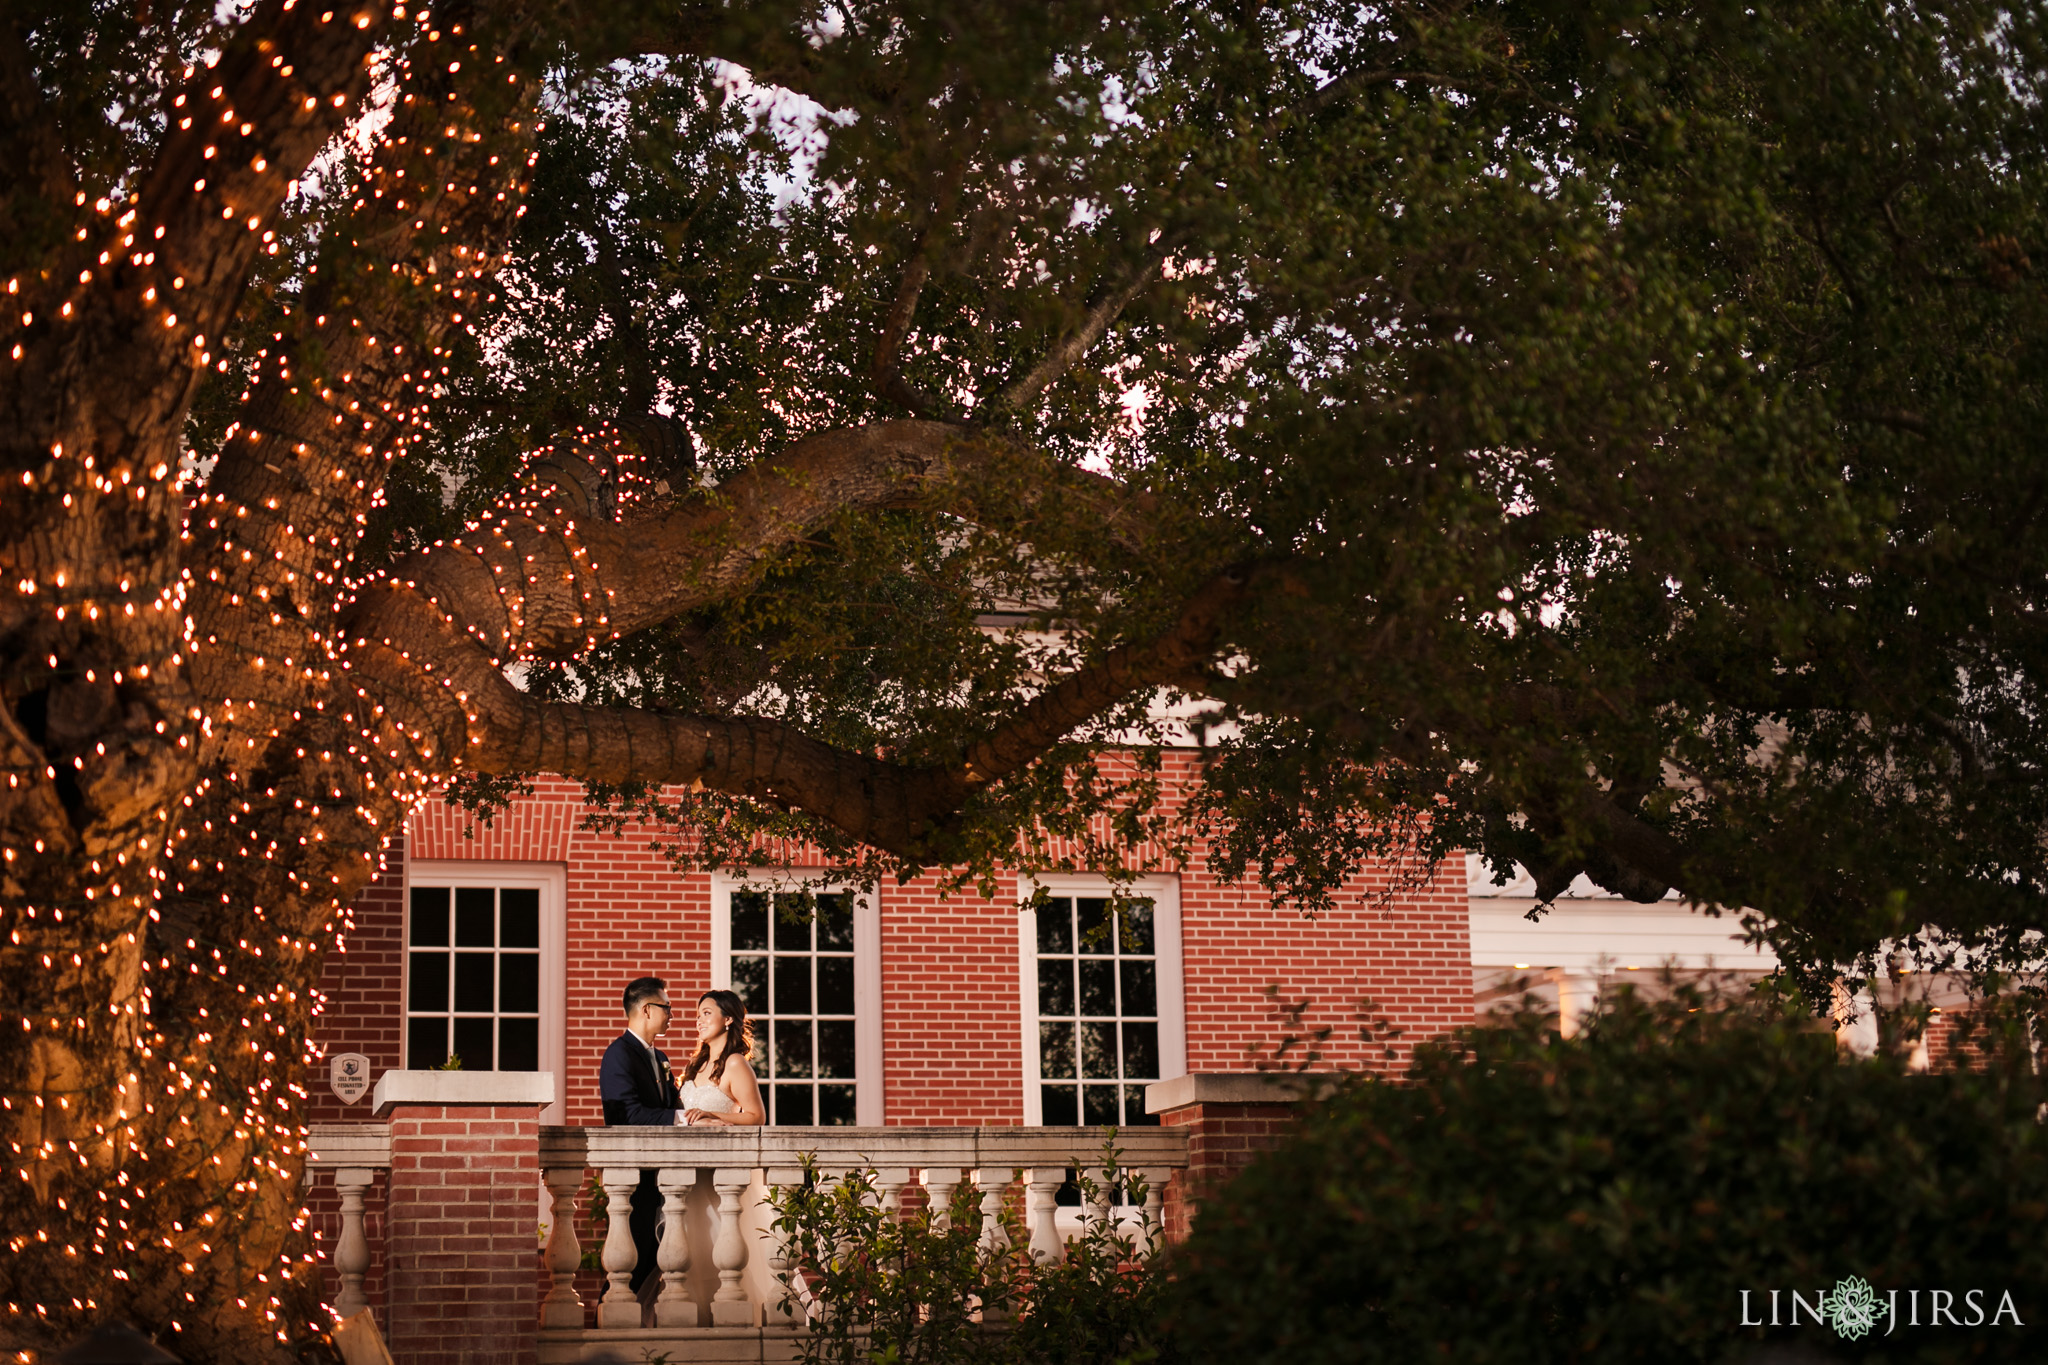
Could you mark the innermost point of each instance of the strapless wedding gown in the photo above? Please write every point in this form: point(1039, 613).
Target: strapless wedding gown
point(709, 1098)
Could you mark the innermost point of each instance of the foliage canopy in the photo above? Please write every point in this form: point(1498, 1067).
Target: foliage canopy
point(1605, 436)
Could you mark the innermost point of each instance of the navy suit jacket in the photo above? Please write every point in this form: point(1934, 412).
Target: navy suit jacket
point(635, 1094)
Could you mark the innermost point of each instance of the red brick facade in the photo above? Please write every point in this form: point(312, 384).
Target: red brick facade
point(462, 1243)
point(951, 996)
point(1222, 1140)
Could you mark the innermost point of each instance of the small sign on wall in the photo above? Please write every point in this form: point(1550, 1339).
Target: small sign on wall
point(349, 1075)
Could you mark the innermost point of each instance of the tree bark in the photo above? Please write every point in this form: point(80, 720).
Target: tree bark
point(213, 718)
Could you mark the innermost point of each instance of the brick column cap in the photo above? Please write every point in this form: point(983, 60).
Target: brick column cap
point(447, 1088)
point(1234, 1087)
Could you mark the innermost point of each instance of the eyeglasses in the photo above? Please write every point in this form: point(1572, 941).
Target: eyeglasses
point(664, 1008)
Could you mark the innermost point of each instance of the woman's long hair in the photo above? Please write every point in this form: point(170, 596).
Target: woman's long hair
point(739, 1035)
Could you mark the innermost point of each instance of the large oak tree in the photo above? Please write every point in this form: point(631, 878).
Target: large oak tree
point(1607, 437)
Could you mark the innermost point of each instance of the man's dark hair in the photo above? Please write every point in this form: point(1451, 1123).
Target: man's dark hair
point(643, 988)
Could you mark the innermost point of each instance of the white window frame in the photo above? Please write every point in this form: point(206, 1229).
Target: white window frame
point(867, 971)
point(551, 880)
point(1164, 893)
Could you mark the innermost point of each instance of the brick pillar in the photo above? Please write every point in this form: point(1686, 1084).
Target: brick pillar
point(463, 1214)
point(1230, 1118)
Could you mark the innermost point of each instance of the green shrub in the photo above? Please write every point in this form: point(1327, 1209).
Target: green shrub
point(896, 1291)
point(911, 1291)
point(1527, 1199)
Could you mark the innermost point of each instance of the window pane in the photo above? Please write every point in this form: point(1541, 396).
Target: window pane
point(1056, 926)
point(750, 983)
point(792, 986)
point(835, 1047)
point(1141, 1051)
point(473, 1044)
point(518, 918)
point(519, 1045)
point(835, 924)
point(792, 1105)
point(1137, 934)
point(1098, 1053)
point(835, 985)
point(1098, 988)
point(519, 986)
point(430, 917)
point(426, 1043)
point(792, 1047)
point(473, 984)
point(476, 917)
point(792, 927)
point(1056, 985)
point(835, 1105)
point(1056, 1052)
point(749, 920)
point(1134, 1109)
point(1141, 996)
point(1093, 916)
point(427, 988)
point(1098, 1105)
point(1057, 1104)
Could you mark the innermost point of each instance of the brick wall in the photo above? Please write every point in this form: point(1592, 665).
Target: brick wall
point(950, 1040)
point(1222, 1140)
point(1409, 954)
point(949, 967)
point(461, 1234)
point(359, 1008)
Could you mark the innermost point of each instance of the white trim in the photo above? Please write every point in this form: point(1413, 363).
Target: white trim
point(1173, 1027)
point(396, 1088)
point(867, 971)
point(552, 881)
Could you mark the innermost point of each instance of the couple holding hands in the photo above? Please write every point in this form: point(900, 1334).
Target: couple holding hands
point(637, 1085)
point(639, 1089)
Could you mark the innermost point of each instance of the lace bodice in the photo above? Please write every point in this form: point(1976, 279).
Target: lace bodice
point(709, 1098)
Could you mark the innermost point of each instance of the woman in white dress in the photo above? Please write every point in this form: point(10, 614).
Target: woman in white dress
point(718, 1085)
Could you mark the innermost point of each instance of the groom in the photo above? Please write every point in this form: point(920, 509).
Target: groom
point(639, 1090)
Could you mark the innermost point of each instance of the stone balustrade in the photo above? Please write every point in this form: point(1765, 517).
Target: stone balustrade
point(488, 1213)
point(713, 1183)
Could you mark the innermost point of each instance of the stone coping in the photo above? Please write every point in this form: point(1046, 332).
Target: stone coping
point(479, 1088)
point(1234, 1087)
point(783, 1148)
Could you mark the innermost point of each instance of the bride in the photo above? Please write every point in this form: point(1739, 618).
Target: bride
point(718, 1085)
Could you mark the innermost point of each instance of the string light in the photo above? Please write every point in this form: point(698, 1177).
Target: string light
point(211, 1087)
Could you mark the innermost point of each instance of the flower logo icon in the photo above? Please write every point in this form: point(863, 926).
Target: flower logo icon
point(1852, 1307)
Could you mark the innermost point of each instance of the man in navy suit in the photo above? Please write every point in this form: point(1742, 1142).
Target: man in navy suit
point(639, 1090)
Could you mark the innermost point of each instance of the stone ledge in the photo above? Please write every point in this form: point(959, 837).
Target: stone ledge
point(1234, 1087)
point(457, 1088)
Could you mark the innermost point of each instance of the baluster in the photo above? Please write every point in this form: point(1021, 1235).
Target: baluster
point(1040, 1209)
point(619, 1307)
point(992, 1184)
point(729, 1306)
point(674, 1308)
point(1153, 1237)
point(889, 1183)
point(351, 1249)
point(562, 1308)
point(939, 1184)
point(782, 1312)
point(1100, 1211)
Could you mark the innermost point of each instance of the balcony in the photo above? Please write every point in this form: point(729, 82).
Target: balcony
point(485, 1216)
